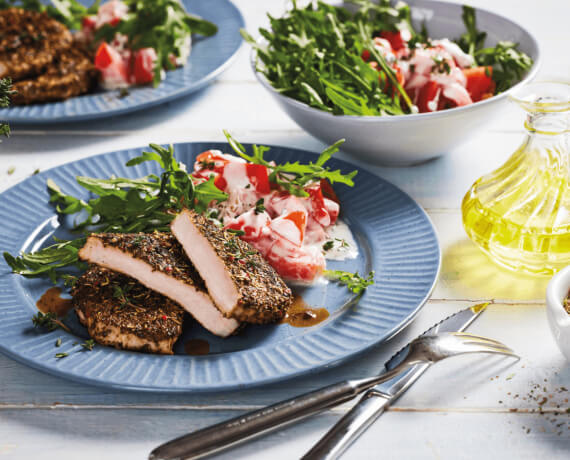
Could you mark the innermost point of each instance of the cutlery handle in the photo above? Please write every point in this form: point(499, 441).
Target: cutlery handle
point(241, 428)
point(333, 444)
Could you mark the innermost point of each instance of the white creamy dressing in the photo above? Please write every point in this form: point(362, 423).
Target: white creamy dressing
point(344, 245)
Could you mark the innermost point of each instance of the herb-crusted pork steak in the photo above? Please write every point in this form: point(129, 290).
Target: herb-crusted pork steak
point(158, 262)
point(29, 42)
point(70, 74)
point(240, 281)
point(120, 312)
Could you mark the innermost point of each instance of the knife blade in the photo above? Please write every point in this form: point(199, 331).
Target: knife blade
point(373, 403)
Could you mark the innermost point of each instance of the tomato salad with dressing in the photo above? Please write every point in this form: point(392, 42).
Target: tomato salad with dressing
point(293, 233)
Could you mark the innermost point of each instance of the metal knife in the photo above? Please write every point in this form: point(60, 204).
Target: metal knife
point(373, 403)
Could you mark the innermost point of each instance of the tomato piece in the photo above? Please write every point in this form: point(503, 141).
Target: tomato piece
point(365, 55)
point(395, 39)
point(479, 82)
point(144, 64)
point(258, 177)
point(252, 224)
point(318, 210)
point(328, 191)
point(427, 94)
point(299, 218)
point(105, 56)
point(295, 263)
point(210, 161)
point(220, 182)
point(88, 22)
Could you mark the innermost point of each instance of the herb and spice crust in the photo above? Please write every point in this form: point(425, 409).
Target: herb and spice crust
point(29, 42)
point(263, 295)
point(119, 311)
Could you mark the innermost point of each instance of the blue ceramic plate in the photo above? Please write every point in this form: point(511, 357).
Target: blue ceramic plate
point(394, 235)
point(209, 57)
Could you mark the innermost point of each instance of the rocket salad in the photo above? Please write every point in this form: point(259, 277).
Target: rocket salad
point(374, 62)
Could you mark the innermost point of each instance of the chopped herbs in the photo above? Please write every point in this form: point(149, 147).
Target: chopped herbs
point(11, 170)
point(236, 232)
point(58, 343)
point(88, 345)
point(48, 321)
point(259, 206)
point(61, 355)
point(328, 245)
point(353, 281)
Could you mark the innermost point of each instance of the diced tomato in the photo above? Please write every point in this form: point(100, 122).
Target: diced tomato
point(427, 94)
point(333, 208)
point(479, 82)
point(299, 218)
point(258, 177)
point(88, 22)
point(252, 223)
point(318, 210)
point(395, 39)
point(144, 64)
point(295, 263)
point(290, 227)
point(365, 55)
point(210, 161)
point(328, 191)
point(111, 65)
point(220, 182)
point(105, 56)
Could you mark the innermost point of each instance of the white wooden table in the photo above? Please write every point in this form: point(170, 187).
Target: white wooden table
point(464, 408)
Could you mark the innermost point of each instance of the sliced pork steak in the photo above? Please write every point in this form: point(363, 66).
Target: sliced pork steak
point(241, 283)
point(158, 262)
point(120, 312)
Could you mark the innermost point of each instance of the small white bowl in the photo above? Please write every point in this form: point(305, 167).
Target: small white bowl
point(409, 139)
point(558, 318)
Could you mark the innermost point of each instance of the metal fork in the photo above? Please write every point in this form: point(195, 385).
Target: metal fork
point(424, 349)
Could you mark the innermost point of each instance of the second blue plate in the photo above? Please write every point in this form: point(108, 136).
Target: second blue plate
point(209, 57)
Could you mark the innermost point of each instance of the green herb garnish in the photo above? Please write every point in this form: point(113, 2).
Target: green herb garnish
point(88, 345)
point(58, 343)
point(259, 206)
point(353, 281)
point(48, 321)
point(61, 355)
point(236, 232)
point(328, 245)
point(294, 177)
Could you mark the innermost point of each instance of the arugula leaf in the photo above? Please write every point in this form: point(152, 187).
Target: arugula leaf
point(68, 12)
point(353, 281)
point(509, 64)
point(313, 55)
point(294, 177)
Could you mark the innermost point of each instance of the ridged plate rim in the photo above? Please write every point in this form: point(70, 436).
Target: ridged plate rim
point(220, 52)
point(399, 292)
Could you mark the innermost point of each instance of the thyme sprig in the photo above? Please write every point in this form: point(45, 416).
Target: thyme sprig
point(353, 281)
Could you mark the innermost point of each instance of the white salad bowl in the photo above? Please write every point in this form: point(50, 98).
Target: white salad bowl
point(409, 139)
point(558, 318)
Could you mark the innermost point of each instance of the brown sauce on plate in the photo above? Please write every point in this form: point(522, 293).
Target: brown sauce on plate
point(302, 315)
point(196, 347)
point(52, 302)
